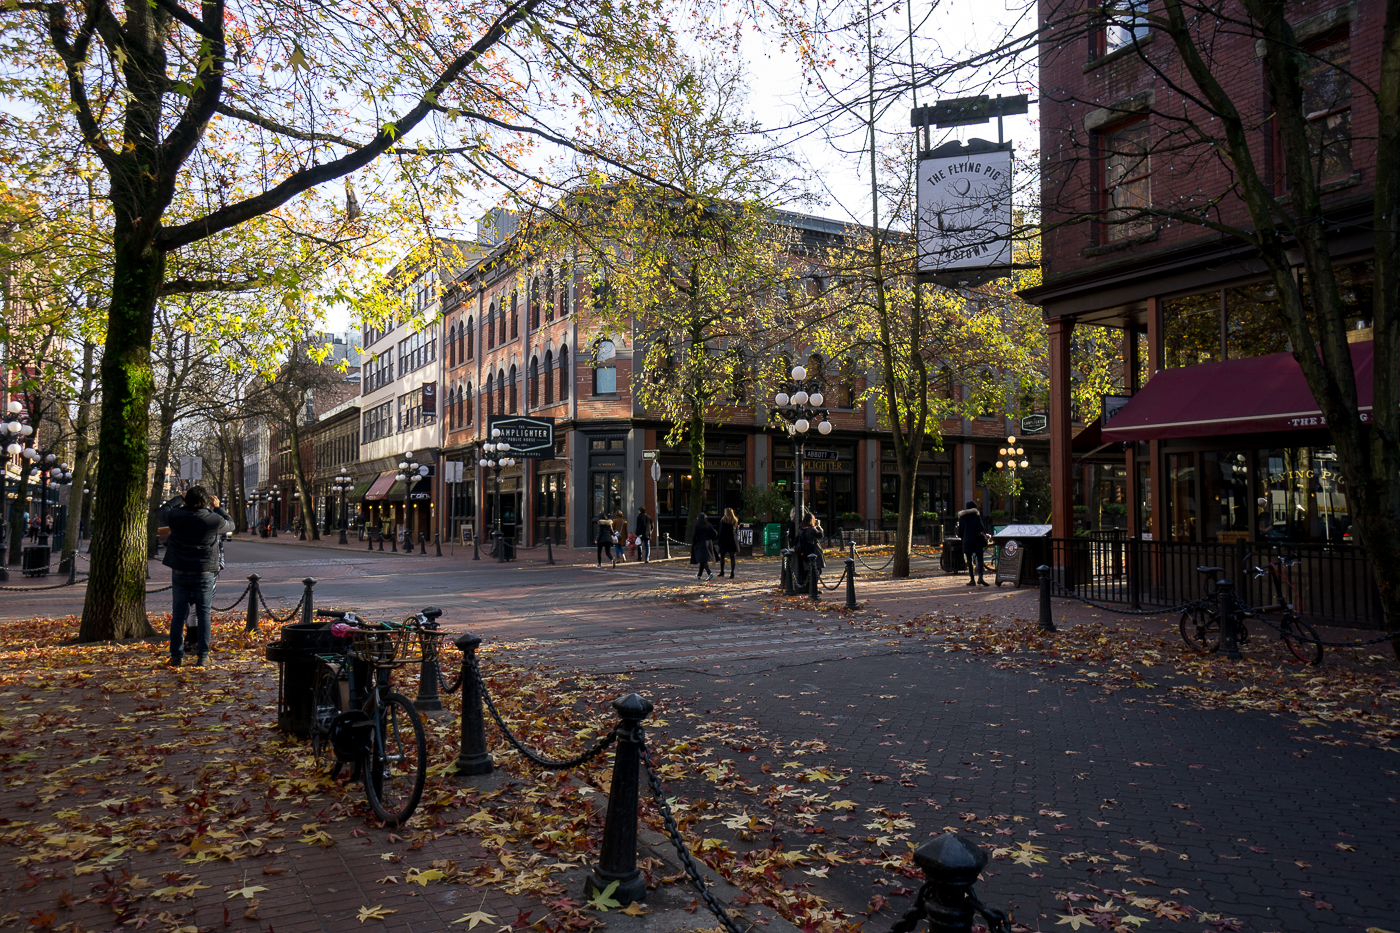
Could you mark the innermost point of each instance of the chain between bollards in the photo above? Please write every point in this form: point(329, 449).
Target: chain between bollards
point(253, 596)
point(851, 582)
point(1047, 624)
point(617, 855)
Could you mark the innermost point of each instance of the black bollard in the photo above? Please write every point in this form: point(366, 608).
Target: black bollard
point(73, 569)
point(1047, 624)
point(308, 610)
point(617, 857)
point(548, 550)
point(423, 543)
point(951, 864)
point(1229, 635)
point(473, 758)
point(429, 672)
point(667, 536)
point(380, 536)
point(500, 548)
point(437, 544)
point(367, 535)
point(252, 624)
point(789, 572)
point(407, 541)
point(850, 583)
point(476, 542)
point(814, 581)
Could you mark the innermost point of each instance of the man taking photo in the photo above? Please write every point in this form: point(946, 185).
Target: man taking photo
point(192, 553)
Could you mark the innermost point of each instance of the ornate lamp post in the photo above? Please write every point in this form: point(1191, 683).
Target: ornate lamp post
point(797, 406)
point(495, 456)
point(342, 485)
point(409, 471)
point(1012, 457)
point(274, 509)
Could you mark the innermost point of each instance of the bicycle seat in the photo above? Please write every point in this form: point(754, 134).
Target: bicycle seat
point(431, 612)
point(1210, 569)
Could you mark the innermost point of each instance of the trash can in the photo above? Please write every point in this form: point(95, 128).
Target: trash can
point(295, 654)
point(745, 538)
point(34, 560)
point(772, 539)
point(951, 559)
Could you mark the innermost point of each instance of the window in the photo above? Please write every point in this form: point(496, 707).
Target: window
point(534, 382)
point(1327, 106)
point(377, 422)
point(1124, 22)
point(1127, 183)
point(373, 333)
point(514, 320)
point(1251, 322)
point(471, 338)
point(514, 379)
point(468, 403)
point(501, 390)
point(535, 304)
point(604, 380)
point(847, 395)
point(563, 291)
point(378, 371)
point(488, 327)
point(549, 377)
point(417, 351)
point(411, 413)
point(486, 399)
point(549, 295)
point(563, 374)
point(1191, 330)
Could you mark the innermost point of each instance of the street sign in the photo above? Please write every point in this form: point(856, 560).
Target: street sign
point(453, 474)
point(528, 437)
point(650, 454)
point(655, 471)
point(1034, 424)
point(192, 468)
point(819, 455)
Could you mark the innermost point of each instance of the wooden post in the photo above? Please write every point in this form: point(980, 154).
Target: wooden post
point(1061, 430)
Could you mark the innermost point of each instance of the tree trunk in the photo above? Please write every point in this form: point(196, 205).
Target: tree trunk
point(115, 607)
point(240, 483)
point(162, 467)
point(904, 524)
point(81, 456)
point(299, 476)
point(697, 473)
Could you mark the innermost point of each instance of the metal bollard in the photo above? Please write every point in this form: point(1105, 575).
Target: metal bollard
point(951, 864)
point(407, 541)
point(307, 609)
point(850, 583)
point(429, 672)
point(548, 550)
point(814, 582)
point(437, 544)
point(476, 541)
point(423, 543)
point(789, 572)
point(380, 535)
point(252, 624)
point(1047, 624)
point(668, 545)
point(367, 535)
point(1225, 601)
point(617, 856)
point(473, 758)
point(73, 568)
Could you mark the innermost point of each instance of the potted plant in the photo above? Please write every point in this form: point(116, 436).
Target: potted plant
point(851, 521)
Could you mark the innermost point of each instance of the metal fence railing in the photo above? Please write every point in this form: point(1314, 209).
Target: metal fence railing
point(1332, 584)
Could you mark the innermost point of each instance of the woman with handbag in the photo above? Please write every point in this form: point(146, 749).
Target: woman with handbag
point(604, 540)
point(728, 541)
point(702, 544)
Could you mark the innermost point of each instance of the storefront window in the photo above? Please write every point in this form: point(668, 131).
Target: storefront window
point(1252, 325)
point(1144, 497)
point(1191, 330)
point(1108, 503)
point(1303, 496)
point(1181, 497)
point(1225, 492)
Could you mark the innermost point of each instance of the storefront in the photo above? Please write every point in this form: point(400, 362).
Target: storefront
point(512, 487)
point(933, 489)
point(607, 478)
point(551, 501)
point(725, 463)
point(829, 486)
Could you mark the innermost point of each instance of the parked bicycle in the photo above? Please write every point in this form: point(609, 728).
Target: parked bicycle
point(1200, 620)
point(362, 721)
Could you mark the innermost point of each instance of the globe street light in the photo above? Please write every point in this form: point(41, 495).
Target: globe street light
point(409, 471)
point(342, 484)
point(495, 456)
point(1012, 458)
point(797, 405)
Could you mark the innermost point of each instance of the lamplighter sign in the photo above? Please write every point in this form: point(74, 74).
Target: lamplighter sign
point(528, 437)
point(965, 207)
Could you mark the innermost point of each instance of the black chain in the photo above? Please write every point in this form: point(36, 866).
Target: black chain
point(168, 586)
point(839, 580)
point(36, 589)
point(1300, 636)
point(235, 602)
point(556, 763)
point(449, 688)
point(874, 569)
point(281, 620)
point(997, 920)
point(913, 915)
point(682, 850)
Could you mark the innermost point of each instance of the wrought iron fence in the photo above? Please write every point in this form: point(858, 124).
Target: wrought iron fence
point(1332, 584)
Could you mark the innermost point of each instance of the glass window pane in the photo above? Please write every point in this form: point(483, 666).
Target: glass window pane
point(1181, 497)
point(1191, 330)
point(1252, 325)
point(1225, 492)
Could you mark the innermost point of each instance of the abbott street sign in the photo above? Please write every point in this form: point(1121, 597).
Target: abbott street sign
point(528, 437)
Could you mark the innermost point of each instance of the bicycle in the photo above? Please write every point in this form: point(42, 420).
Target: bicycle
point(363, 722)
point(1200, 619)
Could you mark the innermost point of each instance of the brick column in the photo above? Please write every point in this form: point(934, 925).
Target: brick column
point(1061, 430)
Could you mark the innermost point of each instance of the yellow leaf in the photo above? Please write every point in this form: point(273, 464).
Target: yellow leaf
point(423, 877)
point(475, 917)
point(635, 909)
point(247, 891)
point(374, 913)
point(1075, 921)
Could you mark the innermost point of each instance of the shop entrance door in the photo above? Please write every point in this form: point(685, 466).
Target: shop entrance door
point(605, 498)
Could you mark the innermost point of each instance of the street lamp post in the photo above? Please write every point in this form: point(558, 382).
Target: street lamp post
point(797, 405)
point(495, 456)
point(409, 471)
point(1012, 457)
point(274, 509)
point(342, 484)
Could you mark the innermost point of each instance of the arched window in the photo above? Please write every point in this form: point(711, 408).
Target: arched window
point(449, 413)
point(486, 399)
point(451, 330)
point(563, 374)
point(501, 390)
point(461, 399)
point(471, 335)
point(535, 304)
point(549, 297)
point(848, 384)
point(512, 383)
point(491, 326)
point(469, 404)
point(815, 366)
point(514, 319)
point(534, 382)
point(549, 377)
point(563, 292)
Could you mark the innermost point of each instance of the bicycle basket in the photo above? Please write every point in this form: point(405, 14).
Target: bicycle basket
point(378, 646)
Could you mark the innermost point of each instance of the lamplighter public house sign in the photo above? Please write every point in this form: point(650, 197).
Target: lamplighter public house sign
point(528, 437)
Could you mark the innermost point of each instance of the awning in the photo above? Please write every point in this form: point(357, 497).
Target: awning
point(380, 489)
point(1249, 396)
point(357, 492)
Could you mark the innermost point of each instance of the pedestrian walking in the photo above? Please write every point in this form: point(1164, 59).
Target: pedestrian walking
point(619, 526)
point(702, 545)
point(605, 540)
point(728, 542)
point(644, 528)
point(974, 543)
point(192, 552)
point(34, 528)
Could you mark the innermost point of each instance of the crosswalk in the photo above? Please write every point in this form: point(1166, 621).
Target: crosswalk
point(716, 647)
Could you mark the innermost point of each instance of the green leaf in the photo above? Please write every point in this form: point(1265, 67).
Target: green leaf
point(603, 900)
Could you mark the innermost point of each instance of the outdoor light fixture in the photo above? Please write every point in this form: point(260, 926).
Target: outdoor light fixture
point(798, 409)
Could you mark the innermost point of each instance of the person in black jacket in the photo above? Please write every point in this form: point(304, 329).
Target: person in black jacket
point(605, 541)
point(701, 543)
point(644, 526)
point(974, 542)
point(192, 553)
point(728, 542)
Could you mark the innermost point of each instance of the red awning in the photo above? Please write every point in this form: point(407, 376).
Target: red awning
point(381, 486)
point(1249, 396)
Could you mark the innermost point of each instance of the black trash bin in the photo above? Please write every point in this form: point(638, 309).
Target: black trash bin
point(296, 657)
point(35, 560)
point(951, 560)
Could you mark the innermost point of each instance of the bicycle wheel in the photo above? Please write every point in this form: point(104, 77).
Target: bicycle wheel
point(398, 762)
point(1200, 628)
point(326, 690)
point(1301, 639)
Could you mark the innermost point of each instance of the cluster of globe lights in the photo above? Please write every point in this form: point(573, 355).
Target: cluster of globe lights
point(408, 469)
point(59, 473)
point(800, 399)
point(498, 451)
point(1011, 452)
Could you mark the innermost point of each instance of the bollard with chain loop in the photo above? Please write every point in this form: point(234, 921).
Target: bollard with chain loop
point(437, 543)
point(1229, 635)
point(429, 671)
point(423, 543)
point(408, 540)
point(307, 614)
point(813, 578)
point(253, 596)
point(668, 545)
point(367, 535)
point(789, 572)
point(951, 864)
point(617, 856)
point(851, 582)
point(476, 542)
point(1047, 624)
point(72, 569)
point(472, 758)
point(548, 550)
